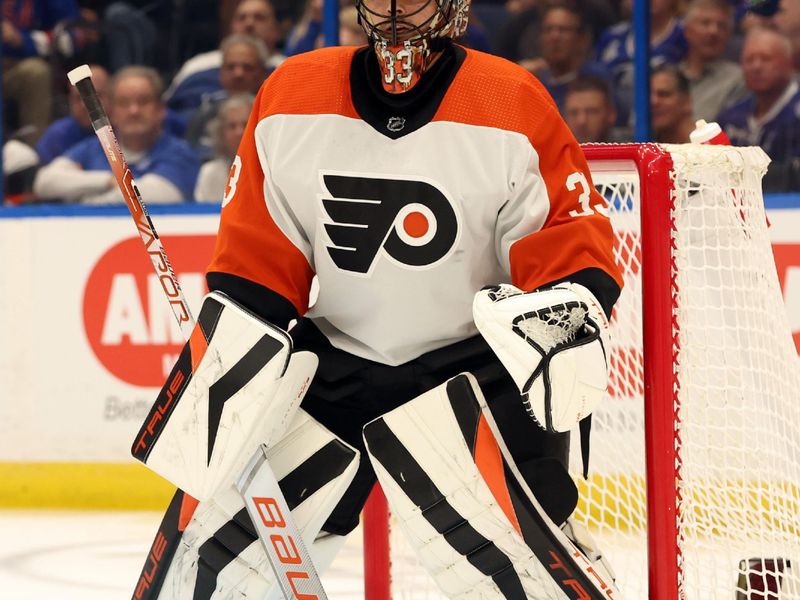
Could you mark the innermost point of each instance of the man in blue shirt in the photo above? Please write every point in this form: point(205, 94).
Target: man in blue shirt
point(590, 112)
point(199, 76)
point(770, 116)
point(165, 167)
point(244, 68)
point(565, 41)
point(615, 50)
point(27, 27)
point(76, 126)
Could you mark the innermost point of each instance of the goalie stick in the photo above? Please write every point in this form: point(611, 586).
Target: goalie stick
point(182, 505)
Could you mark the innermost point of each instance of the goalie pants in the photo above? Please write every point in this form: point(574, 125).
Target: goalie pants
point(348, 392)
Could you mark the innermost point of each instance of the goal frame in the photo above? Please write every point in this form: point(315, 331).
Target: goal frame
point(661, 344)
point(660, 347)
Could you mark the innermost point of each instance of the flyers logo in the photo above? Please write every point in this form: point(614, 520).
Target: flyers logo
point(412, 222)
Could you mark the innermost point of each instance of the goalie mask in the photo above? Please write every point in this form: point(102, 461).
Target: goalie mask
point(405, 33)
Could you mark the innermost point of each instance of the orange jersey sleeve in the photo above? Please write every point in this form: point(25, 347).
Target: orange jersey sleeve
point(257, 239)
point(576, 233)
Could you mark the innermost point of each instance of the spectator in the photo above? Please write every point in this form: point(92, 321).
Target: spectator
point(589, 110)
point(492, 16)
point(516, 7)
point(76, 126)
point(350, 31)
point(165, 167)
point(244, 60)
point(288, 12)
point(518, 37)
point(787, 21)
point(244, 63)
point(20, 163)
point(770, 116)
point(616, 47)
point(27, 77)
point(714, 83)
point(565, 42)
point(226, 131)
point(200, 74)
point(307, 34)
point(129, 36)
point(671, 105)
point(257, 18)
point(115, 34)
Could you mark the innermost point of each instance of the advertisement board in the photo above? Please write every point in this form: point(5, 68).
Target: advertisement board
point(785, 237)
point(88, 337)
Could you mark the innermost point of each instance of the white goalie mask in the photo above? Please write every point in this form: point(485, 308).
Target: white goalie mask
point(405, 33)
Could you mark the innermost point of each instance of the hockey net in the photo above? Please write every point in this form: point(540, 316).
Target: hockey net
point(694, 490)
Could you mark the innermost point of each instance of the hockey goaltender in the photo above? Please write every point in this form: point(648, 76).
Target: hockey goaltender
point(465, 272)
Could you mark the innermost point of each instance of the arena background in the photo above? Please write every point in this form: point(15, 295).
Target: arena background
point(87, 337)
point(87, 340)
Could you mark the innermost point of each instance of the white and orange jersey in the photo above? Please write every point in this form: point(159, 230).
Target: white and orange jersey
point(405, 209)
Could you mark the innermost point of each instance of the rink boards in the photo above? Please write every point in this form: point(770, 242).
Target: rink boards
point(88, 339)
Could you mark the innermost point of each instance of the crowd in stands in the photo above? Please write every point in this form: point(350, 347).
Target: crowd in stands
point(716, 60)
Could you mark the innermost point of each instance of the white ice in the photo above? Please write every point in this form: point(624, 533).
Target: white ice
point(81, 555)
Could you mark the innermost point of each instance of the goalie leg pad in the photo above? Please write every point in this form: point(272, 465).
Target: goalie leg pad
point(220, 556)
point(237, 384)
point(464, 506)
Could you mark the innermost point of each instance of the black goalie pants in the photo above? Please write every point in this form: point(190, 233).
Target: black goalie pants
point(348, 392)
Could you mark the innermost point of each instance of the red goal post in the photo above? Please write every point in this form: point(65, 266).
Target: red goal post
point(695, 485)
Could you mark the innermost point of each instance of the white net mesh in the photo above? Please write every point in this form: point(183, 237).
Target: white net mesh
point(736, 398)
point(554, 327)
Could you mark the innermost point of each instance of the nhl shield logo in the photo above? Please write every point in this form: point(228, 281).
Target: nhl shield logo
point(396, 124)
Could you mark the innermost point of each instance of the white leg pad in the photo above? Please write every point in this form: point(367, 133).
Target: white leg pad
point(220, 557)
point(464, 507)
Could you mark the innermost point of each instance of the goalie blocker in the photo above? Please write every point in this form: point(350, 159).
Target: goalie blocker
point(237, 384)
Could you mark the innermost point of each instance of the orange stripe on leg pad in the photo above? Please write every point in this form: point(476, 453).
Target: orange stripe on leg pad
point(490, 464)
point(198, 346)
point(188, 506)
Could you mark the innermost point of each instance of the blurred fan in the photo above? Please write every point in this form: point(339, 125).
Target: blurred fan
point(765, 8)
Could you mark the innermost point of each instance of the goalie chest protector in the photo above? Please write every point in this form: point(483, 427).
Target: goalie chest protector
point(236, 384)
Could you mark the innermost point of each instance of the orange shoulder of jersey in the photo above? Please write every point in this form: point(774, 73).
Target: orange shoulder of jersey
point(250, 244)
point(489, 91)
point(312, 83)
